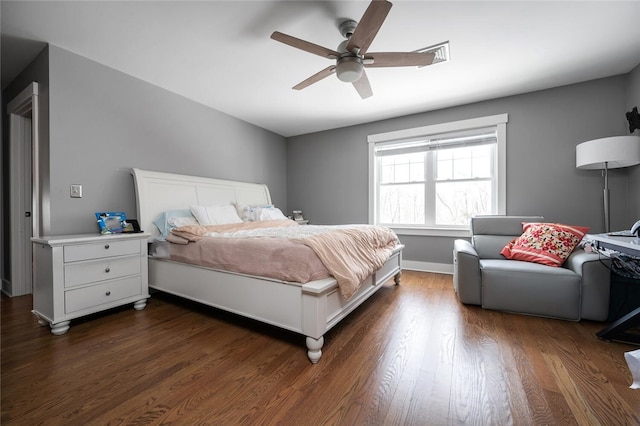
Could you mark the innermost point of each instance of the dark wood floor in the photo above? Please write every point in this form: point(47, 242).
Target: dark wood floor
point(412, 355)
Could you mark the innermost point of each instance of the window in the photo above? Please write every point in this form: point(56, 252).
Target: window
point(431, 180)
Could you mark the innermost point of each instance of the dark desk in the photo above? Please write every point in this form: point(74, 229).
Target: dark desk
point(618, 329)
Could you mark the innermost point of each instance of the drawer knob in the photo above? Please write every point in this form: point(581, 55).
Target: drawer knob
point(108, 293)
point(107, 270)
point(106, 246)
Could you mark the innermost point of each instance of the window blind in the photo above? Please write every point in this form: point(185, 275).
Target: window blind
point(472, 137)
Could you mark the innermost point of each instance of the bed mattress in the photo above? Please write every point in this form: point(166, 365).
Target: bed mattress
point(287, 251)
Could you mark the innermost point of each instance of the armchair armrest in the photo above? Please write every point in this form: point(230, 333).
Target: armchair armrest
point(595, 278)
point(466, 273)
point(578, 259)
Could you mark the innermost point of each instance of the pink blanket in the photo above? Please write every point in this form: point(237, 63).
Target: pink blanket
point(284, 250)
point(351, 255)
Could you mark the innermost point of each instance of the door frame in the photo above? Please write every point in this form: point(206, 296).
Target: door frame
point(23, 182)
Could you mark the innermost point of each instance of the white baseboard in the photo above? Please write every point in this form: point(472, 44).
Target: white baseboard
point(5, 285)
point(439, 268)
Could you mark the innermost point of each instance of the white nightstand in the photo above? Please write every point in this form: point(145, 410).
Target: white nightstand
point(77, 275)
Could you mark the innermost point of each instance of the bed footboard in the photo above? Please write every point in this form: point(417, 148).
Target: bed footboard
point(309, 309)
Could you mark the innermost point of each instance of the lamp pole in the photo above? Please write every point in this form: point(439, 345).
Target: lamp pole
point(614, 152)
point(607, 223)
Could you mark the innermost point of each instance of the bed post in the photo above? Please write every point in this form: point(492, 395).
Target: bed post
point(314, 346)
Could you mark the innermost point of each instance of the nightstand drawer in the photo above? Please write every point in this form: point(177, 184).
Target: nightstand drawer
point(93, 296)
point(100, 270)
point(107, 248)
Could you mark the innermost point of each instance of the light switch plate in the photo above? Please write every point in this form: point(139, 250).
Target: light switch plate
point(76, 191)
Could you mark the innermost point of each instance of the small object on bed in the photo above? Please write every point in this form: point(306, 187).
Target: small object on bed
point(256, 213)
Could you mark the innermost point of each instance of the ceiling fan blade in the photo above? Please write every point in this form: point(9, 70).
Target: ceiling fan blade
point(316, 77)
point(399, 59)
point(369, 26)
point(305, 45)
point(363, 87)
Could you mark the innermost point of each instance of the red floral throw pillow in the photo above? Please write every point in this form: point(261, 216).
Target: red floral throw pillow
point(545, 243)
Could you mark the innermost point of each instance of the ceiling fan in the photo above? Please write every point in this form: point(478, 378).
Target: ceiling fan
point(351, 56)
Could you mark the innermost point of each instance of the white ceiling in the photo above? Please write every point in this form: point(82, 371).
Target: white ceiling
point(220, 54)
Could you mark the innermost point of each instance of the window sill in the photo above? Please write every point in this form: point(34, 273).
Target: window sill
point(433, 232)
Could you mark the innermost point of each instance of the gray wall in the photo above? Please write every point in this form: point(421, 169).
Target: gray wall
point(328, 175)
point(97, 123)
point(634, 172)
point(104, 122)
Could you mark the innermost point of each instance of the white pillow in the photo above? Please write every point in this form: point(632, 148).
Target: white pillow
point(170, 219)
point(215, 215)
point(176, 222)
point(271, 213)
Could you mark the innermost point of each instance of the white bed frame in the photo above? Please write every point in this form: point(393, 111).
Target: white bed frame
point(310, 309)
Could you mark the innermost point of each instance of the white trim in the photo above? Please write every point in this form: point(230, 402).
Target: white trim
point(436, 268)
point(452, 126)
point(21, 104)
point(372, 185)
point(501, 128)
point(433, 232)
point(5, 285)
point(23, 181)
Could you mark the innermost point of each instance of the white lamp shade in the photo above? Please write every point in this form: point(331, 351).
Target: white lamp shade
point(616, 151)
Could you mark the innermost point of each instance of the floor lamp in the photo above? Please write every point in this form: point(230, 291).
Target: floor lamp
point(608, 153)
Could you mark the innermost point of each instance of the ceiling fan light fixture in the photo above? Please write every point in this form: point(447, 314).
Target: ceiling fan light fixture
point(349, 69)
point(353, 56)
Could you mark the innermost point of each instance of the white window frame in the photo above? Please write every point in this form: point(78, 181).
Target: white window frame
point(499, 121)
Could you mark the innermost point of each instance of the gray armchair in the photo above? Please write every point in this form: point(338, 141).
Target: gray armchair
point(482, 276)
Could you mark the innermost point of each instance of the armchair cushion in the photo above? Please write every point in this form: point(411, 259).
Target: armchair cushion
point(545, 243)
point(530, 288)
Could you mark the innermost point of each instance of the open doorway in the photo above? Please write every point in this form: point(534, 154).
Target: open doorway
point(23, 197)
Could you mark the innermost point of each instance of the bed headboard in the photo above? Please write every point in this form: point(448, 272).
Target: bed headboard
point(158, 191)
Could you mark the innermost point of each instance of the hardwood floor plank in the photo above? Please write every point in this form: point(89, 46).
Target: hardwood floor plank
point(432, 401)
point(523, 359)
point(411, 395)
point(412, 355)
point(594, 395)
point(579, 407)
